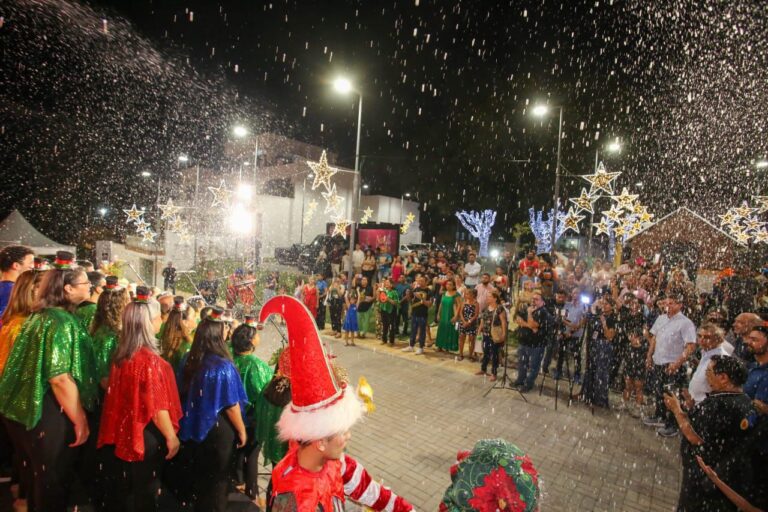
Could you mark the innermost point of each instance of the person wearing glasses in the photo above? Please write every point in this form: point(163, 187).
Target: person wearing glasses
point(49, 382)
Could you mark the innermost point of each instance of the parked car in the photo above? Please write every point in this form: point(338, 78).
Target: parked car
point(419, 249)
point(308, 256)
point(288, 255)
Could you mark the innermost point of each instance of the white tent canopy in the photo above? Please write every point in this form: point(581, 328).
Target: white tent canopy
point(16, 230)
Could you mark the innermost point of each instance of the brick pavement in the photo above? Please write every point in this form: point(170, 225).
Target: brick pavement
point(430, 407)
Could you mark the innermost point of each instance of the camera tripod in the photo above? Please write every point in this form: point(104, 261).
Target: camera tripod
point(505, 378)
point(567, 356)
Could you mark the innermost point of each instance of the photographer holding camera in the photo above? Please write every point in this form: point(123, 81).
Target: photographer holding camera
point(672, 340)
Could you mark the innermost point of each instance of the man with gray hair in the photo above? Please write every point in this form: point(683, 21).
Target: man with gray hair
point(710, 340)
point(742, 325)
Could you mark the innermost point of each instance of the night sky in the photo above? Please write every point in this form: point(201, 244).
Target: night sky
point(94, 93)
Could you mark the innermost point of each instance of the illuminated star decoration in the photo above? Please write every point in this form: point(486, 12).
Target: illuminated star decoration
point(176, 225)
point(133, 214)
point(584, 202)
point(185, 237)
point(614, 214)
point(220, 195)
point(625, 199)
point(311, 207)
point(323, 172)
point(744, 211)
point(409, 220)
point(572, 219)
point(762, 203)
point(148, 236)
point(602, 227)
point(340, 227)
point(168, 209)
point(644, 217)
point(142, 226)
point(367, 214)
point(601, 180)
point(332, 199)
point(753, 224)
point(741, 236)
point(761, 236)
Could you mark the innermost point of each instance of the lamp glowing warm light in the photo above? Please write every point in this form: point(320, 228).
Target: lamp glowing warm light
point(761, 164)
point(183, 158)
point(146, 174)
point(244, 192)
point(494, 253)
point(614, 147)
point(240, 131)
point(342, 85)
point(240, 220)
point(540, 110)
point(102, 211)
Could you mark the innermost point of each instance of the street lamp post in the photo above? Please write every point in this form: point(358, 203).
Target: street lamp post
point(541, 111)
point(344, 86)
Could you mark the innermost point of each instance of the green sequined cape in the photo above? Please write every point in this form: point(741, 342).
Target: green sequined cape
point(85, 313)
point(52, 342)
point(105, 342)
point(256, 374)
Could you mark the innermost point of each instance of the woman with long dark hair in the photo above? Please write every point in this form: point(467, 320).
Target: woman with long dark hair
point(49, 382)
point(141, 411)
point(214, 401)
point(106, 325)
point(176, 339)
point(261, 416)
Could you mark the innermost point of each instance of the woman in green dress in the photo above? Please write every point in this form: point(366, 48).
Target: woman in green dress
point(106, 326)
point(49, 382)
point(177, 336)
point(450, 306)
point(261, 416)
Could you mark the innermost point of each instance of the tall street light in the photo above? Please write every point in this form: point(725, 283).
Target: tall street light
point(344, 86)
point(541, 111)
point(402, 196)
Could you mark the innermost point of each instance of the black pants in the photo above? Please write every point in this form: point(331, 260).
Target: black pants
point(570, 347)
point(22, 467)
point(388, 325)
point(660, 379)
point(52, 460)
point(490, 352)
point(247, 462)
point(138, 479)
point(402, 315)
point(336, 307)
point(170, 284)
point(320, 316)
point(213, 459)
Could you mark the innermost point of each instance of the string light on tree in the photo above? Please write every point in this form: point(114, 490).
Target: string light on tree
point(762, 203)
point(323, 172)
point(542, 229)
point(478, 224)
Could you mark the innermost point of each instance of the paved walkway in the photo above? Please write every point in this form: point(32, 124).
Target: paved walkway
point(429, 407)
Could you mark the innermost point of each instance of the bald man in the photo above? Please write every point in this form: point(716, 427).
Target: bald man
point(742, 325)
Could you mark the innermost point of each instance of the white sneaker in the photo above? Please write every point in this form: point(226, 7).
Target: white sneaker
point(419, 351)
point(408, 349)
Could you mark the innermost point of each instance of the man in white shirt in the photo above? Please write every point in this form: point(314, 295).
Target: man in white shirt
point(672, 341)
point(357, 259)
point(472, 270)
point(711, 339)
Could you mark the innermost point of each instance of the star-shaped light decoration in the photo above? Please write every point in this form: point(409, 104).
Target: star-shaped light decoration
point(762, 203)
point(625, 199)
point(168, 209)
point(602, 227)
point(148, 236)
point(185, 237)
point(312, 205)
point(134, 214)
point(614, 214)
point(728, 218)
point(601, 180)
point(742, 237)
point(340, 227)
point(571, 220)
point(619, 231)
point(761, 236)
point(176, 225)
point(410, 218)
point(403, 229)
point(367, 213)
point(644, 217)
point(142, 226)
point(332, 199)
point(323, 172)
point(744, 211)
point(220, 195)
point(753, 224)
point(584, 202)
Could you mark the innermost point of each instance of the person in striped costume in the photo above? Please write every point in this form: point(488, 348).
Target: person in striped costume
point(316, 475)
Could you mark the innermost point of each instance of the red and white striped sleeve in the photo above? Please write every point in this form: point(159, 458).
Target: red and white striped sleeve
point(361, 488)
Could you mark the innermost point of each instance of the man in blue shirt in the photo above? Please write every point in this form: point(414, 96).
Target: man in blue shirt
point(756, 388)
point(322, 290)
point(14, 260)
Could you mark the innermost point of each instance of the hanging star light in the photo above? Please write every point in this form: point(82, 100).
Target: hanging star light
point(601, 180)
point(572, 219)
point(742, 237)
point(644, 217)
point(134, 214)
point(762, 203)
point(323, 172)
point(744, 211)
point(410, 218)
point(185, 237)
point(614, 214)
point(168, 209)
point(340, 227)
point(602, 227)
point(625, 199)
point(584, 202)
point(142, 226)
point(367, 213)
point(728, 218)
point(761, 236)
point(333, 200)
point(220, 195)
point(312, 205)
point(176, 225)
point(753, 224)
point(148, 236)
point(619, 231)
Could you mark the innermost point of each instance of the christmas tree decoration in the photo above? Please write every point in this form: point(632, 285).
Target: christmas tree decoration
point(332, 199)
point(367, 214)
point(478, 224)
point(571, 220)
point(134, 214)
point(323, 172)
point(142, 226)
point(625, 199)
point(601, 180)
point(168, 210)
point(221, 195)
point(584, 202)
point(603, 227)
point(542, 229)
